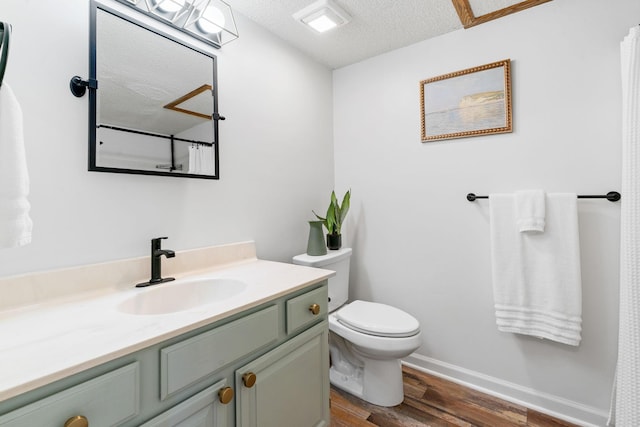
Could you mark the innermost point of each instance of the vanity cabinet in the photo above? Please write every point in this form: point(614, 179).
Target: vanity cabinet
point(194, 359)
point(209, 408)
point(289, 386)
point(109, 399)
point(266, 366)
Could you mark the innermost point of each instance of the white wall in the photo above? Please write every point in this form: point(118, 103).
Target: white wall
point(276, 155)
point(419, 245)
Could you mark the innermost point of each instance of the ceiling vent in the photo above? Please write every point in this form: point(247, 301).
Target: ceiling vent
point(323, 15)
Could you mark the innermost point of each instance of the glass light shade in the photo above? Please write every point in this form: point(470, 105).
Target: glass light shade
point(171, 6)
point(208, 20)
point(212, 21)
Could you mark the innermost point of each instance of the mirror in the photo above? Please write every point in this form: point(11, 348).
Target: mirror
point(153, 112)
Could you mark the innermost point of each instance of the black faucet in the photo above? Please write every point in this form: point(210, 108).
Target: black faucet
point(156, 266)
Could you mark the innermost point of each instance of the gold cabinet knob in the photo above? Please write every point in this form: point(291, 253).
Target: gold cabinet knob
point(315, 309)
point(77, 421)
point(249, 379)
point(226, 395)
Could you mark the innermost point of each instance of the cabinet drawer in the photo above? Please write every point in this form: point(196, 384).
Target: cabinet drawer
point(299, 309)
point(193, 359)
point(107, 400)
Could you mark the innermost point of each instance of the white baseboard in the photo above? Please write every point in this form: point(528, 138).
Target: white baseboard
point(546, 403)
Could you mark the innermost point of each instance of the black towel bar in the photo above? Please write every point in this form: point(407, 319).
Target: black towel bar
point(612, 196)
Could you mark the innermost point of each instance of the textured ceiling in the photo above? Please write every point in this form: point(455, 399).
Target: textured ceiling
point(377, 26)
point(132, 92)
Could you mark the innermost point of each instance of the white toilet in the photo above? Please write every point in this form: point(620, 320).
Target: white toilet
point(366, 340)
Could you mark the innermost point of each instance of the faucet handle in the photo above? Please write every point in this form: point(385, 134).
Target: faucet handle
point(156, 243)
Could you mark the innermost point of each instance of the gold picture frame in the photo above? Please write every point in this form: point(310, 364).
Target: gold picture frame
point(471, 102)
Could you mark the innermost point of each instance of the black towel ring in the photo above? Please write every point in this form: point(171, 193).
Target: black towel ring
point(5, 32)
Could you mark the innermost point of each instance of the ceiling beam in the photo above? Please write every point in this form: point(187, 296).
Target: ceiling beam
point(468, 19)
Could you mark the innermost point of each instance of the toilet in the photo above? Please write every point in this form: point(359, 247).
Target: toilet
point(366, 339)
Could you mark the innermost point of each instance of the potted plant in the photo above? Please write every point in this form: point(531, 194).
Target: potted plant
point(336, 213)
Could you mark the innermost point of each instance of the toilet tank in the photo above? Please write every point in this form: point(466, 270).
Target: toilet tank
point(337, 261)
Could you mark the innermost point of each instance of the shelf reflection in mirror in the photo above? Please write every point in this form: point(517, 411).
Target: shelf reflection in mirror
point(154, 107)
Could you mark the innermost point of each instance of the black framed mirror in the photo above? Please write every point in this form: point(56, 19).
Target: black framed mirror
point(155, 111)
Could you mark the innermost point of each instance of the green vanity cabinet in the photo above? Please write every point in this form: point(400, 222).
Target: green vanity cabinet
point(205, 409)
point(289, 386)
point(196, 379)
point(109, 399)
point(189, 361)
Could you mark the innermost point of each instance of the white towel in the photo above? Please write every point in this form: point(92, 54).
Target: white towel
point(625, 410)
point(15, 222)
point(530, 210)
point(536, 276)
point(208, 157)
point(194, 160)
point(202, 160)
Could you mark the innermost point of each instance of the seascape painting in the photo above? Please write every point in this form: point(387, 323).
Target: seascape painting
point(471, 102)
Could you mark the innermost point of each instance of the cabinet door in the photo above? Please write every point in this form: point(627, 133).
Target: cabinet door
point(290, 384)
point(202, 410)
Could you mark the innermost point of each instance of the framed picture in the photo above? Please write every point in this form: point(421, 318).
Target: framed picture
point(471, 102)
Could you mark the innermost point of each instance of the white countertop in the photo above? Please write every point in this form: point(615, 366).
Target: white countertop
point(48, 341)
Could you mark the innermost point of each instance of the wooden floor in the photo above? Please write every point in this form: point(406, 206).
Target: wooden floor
point(434, 402)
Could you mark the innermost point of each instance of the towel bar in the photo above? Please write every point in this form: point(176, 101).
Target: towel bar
point(612, 196)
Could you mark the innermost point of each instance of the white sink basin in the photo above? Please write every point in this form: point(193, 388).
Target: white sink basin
point(181, 295)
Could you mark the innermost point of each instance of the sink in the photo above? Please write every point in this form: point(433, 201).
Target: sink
point(182, 295)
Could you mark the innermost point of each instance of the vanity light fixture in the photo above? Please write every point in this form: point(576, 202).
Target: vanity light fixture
point(323, 15)
point(208, 20)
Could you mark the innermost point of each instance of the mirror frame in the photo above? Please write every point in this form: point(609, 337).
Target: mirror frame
point(93, 97)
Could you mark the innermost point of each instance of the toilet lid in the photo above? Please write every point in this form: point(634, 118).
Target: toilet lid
point(378, 319)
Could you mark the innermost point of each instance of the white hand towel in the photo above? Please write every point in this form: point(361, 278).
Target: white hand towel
point(530, 210)
point(536, 276)
point(208, 158)
point(15, 222)
point(193, 168)
point(202, 160)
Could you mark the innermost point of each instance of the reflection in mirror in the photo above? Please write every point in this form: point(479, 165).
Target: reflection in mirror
point(155, 102)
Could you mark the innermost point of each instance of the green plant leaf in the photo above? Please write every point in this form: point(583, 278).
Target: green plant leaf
point(336, 213)
point(324, 220)
point(319, 217)
point(344, 207)
point(331, 220)
point(334, 199)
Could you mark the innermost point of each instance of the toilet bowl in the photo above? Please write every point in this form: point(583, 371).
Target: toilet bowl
point(368, 364)
point(366, 339)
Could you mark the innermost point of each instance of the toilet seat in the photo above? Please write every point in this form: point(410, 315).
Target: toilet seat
point(378, 319)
